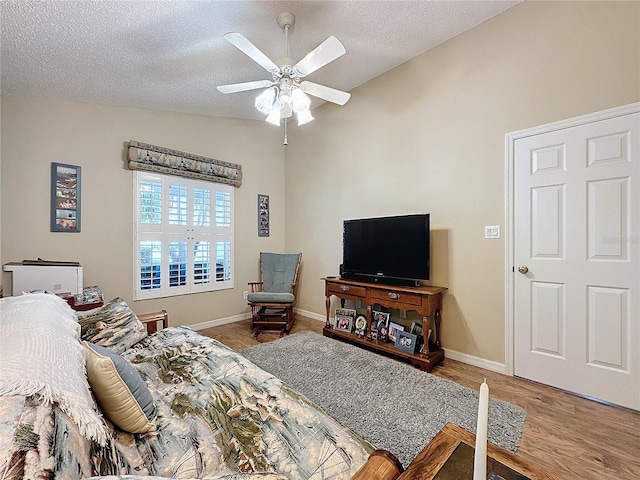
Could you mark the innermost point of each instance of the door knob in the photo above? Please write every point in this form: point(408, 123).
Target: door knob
point(523, 269)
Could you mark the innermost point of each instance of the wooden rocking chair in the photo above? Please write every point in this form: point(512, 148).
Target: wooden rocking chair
point(272, 298)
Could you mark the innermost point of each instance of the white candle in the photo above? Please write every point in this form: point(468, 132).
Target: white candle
point(480, 458)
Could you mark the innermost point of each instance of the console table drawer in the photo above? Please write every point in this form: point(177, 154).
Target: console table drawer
point(394, 296)
point(350, 290)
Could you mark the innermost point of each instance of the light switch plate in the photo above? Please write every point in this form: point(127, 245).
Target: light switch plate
point(492, 231)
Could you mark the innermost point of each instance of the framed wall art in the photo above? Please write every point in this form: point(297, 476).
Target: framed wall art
point(65, 197)
point(263, 215)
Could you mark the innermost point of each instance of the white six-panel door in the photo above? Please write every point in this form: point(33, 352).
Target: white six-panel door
point(576, 249)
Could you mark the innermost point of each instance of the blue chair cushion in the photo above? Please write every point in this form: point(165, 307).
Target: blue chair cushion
point(278, 271)
point(270, 297)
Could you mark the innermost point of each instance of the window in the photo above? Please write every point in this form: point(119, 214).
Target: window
point(183, 236)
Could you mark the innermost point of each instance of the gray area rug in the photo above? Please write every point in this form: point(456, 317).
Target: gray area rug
point(392, 405)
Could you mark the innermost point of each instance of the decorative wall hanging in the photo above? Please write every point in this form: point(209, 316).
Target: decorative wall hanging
point(142, 156)
point(65, 197)
point(263, 215)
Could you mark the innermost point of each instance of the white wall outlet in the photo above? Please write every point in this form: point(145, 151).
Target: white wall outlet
point(245, 294)
point(492, 231)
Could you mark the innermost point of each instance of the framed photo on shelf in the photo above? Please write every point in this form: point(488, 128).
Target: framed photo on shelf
point(380, 326)
point(65, 197)
point(406, 341)
point(361, 326)
point(394, 328)
point(416, 328)
point(344, 319)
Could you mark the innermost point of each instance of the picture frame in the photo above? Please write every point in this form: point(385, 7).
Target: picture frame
point(263, 215)
point(416, 328)
point(394, 328)
point(344, 319)
point(360, 326)
point(65, 197)
point(406, 341)
point(379, 319)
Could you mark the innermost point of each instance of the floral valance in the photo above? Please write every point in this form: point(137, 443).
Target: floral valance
point(142, 156)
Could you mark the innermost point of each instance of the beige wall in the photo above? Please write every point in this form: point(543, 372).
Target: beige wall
point(425, 137)
point(429, 137)
point(37, 132)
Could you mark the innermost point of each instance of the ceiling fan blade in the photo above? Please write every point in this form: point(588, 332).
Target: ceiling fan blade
point(325, 93)
point(324, 53)
point(242, 43)
point(243, 87)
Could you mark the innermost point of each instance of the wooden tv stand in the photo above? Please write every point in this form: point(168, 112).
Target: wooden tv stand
point(426, 300)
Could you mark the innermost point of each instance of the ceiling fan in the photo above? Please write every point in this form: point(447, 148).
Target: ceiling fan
point(285, 94)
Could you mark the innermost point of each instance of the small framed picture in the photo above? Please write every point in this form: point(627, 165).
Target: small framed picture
point(344, 320)
point(394, 328)
point(406, 341)
point(380, 319)
point(380, 326)
point(65, 197)
point(416, 328)
point(263, 215)
point(361, 326)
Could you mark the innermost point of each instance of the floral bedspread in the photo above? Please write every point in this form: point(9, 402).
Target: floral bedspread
point(219, 417)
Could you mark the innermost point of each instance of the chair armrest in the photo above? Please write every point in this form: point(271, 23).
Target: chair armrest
point(150, 320)
point(255, 286)
point(381, 465)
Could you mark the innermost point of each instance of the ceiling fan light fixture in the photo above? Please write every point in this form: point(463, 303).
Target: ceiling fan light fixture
point(304, 116)
point(285, 94)
point(274, 117)
point(299, 100)
point(265, 101)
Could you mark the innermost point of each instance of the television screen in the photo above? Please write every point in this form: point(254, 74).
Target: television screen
point(387, 247)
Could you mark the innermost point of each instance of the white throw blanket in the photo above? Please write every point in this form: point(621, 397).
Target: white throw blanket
point(40, 353)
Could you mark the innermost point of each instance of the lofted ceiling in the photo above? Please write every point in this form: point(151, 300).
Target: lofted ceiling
point(171, 54)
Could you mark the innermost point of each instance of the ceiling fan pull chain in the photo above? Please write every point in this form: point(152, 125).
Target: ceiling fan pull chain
point(286, 40)
point(285, 142)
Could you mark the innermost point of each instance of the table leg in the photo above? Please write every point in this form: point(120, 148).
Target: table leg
point(369, 321)
point(437, 320)
point(425, 334)
point(328, 308)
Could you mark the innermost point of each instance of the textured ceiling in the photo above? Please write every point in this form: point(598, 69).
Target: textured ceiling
point(170, 55)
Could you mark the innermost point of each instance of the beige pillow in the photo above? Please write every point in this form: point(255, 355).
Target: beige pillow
point(120, 390)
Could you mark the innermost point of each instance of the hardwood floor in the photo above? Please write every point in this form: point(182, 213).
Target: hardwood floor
point(573, 437)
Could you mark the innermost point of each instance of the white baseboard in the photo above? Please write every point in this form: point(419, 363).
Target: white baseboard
point(311, 315)
point(220, 321)
point(245, 316)
point(475, 361)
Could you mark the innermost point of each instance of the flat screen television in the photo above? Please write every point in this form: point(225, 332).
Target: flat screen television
point(392, 250)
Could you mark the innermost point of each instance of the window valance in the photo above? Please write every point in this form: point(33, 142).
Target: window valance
point(142, 156)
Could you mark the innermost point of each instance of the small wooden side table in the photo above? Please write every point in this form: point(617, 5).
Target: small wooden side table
point(449, 456)
point(155, 321)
